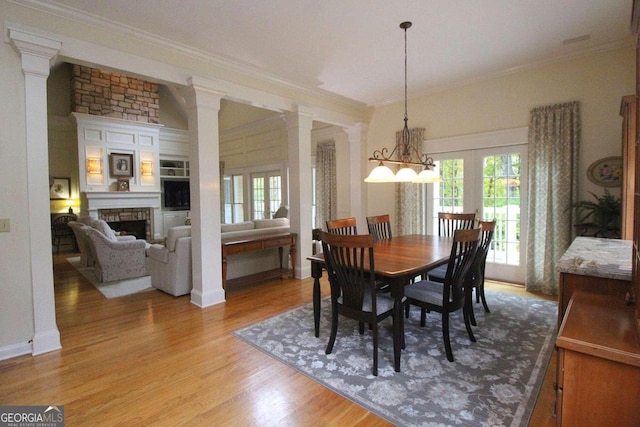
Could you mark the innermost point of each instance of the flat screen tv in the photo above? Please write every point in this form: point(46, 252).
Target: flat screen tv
point(176, 195)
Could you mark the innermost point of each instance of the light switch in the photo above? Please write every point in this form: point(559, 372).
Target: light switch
point(4, 225)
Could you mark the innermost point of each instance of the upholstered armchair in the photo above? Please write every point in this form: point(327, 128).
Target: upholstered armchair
point(79, 231)
point(170, 265)
point(116, 259)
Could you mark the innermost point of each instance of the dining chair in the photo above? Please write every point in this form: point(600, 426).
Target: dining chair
point(350, 267)
point(345, 226)
point(449, 296)
point(379, 226)
point(475, 277)
point(449, 222)
point(61, 231)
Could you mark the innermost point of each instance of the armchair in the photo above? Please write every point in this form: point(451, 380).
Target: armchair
point(116, 259)
point(170, 266)
point(79, 231)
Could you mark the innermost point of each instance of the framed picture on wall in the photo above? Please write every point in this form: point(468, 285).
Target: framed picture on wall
point(123, 184)
point(60, 188)
point(606, 172)
point(121, 164)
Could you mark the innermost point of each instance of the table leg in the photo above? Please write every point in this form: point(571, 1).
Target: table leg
point(316, 273)
point(397, 291)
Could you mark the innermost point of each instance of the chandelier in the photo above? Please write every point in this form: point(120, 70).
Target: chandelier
point(403, 153)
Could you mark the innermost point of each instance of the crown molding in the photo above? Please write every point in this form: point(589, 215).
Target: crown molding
point(220, 61)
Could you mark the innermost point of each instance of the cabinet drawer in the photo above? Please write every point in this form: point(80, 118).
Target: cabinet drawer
point(276, 243)
point(243, 247)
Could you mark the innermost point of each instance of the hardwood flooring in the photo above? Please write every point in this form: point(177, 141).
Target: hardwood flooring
point(153, 359)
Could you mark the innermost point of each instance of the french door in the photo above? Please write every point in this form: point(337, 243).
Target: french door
point(266, 194)
point(492, 183)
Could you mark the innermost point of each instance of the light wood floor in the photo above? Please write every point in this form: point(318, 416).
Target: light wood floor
point(152, 359)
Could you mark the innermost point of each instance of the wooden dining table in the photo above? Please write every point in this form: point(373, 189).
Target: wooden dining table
point(397, 260)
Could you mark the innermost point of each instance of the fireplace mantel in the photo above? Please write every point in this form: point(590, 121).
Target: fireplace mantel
point(93, 201)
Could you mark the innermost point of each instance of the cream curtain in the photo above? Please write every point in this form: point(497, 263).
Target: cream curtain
point(410, 207)
point(554, 141)
point(326, 183)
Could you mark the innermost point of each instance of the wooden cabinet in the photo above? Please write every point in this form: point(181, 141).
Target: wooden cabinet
point(628, 113)
point(598, 363)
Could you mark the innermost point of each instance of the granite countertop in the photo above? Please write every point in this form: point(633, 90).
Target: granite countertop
point(594, 256)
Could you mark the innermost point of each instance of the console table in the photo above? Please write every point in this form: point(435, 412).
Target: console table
point(241, 245)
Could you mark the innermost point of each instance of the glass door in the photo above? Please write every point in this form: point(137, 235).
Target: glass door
point(489, 182)
point(266, 194)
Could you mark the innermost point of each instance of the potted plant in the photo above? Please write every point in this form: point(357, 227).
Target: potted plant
point(602, 217)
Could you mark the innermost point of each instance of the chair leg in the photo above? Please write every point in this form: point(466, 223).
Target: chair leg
point(480, 291)
point(334, 329)
point(406, 309)
point(423, 316)
point(467, 321)
point(375, 349)
point(445, 336)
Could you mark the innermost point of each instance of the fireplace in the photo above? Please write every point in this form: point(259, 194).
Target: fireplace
point(124, 206)
point(133, 221)
point(136, 228)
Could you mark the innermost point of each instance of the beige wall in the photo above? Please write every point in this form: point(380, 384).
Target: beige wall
point(598, 81)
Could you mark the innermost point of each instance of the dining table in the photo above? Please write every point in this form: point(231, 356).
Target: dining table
point(397, 261)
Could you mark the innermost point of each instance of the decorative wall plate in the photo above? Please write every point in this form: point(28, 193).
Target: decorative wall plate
point(606, 172)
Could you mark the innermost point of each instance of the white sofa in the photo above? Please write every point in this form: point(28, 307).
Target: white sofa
point(170, 265)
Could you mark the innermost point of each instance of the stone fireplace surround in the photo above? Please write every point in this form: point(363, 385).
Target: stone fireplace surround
point(115, 206)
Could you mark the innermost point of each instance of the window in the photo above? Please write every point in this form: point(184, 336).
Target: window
point(233, 199)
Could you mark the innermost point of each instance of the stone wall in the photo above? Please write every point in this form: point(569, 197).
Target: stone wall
point(103, 93)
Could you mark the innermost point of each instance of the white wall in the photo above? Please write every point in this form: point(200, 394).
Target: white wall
point(598, 81)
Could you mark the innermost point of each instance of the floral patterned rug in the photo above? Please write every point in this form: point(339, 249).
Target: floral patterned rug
point(493, 382)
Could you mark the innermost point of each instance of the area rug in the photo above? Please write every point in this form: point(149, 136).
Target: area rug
point(115, 289)
point(492, 382)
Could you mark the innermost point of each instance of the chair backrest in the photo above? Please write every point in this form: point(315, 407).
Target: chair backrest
point(60, 225)
point(465, 245)
point(350, 267)
point(450, 222)
point(345, 226)
point(476, 271)
point(379, 226)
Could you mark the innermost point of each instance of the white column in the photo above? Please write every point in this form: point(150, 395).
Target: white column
point(357, 146)
point(37, 53)
point(299, 124)
point(203, 105)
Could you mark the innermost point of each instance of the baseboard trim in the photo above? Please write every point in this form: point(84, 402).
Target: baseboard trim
point(15, 350)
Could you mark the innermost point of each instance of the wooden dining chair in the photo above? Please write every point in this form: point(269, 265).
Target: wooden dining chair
point(350, 267)
point(449, 222)
point(60, 231)
point(475, 277)
point(379, 226)
point(448, 297)
point(345, 226)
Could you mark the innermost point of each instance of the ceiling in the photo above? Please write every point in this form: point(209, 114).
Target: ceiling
point(355, 48)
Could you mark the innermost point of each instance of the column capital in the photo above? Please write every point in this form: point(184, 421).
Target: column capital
point(36, 51)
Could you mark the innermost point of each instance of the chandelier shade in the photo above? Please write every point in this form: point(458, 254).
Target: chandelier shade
point(403, 153)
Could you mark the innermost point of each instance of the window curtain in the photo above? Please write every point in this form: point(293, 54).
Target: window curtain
point(554, 141)
point(410, 207)
point(326, 183)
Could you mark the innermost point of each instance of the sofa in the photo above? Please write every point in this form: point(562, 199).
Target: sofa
point(112, 256)
point(170, 265)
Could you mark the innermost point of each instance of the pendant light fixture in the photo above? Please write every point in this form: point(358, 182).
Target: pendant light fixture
point(402, 154)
